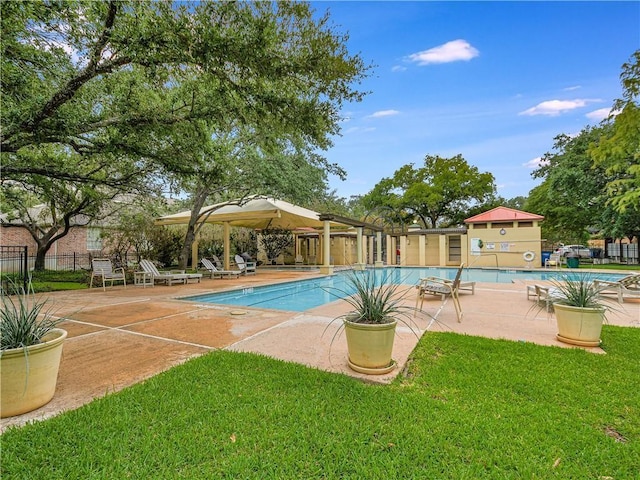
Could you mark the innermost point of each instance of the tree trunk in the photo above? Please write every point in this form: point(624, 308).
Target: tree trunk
point(44, 245)
point(41, 252)
point(198, 202)
point(45, 240)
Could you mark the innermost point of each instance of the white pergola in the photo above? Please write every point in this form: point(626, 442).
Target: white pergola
point(262, 213)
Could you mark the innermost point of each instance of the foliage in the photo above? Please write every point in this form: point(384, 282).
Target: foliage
point(275, 241)
point(64, 276)
point(571, 197)
point(122, 96)
point(617, 224)
point(133, 228)
point(439, 193)
point(619, 150)
point(211, 241)
point(244, 240)
point(165, 245)
point(517, 203)
point(20, 322)
point(459, 409)
point(118, 76)
point(330, 202)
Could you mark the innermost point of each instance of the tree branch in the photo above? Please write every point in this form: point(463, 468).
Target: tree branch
point(91, 70)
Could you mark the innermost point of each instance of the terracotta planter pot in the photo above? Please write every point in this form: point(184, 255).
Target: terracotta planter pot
point(578, 325)
point(28, 376)
point(370, 346)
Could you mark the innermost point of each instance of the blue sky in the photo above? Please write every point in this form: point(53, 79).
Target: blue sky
point(492, 81)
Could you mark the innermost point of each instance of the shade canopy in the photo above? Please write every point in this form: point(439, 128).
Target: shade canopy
point(258, 213)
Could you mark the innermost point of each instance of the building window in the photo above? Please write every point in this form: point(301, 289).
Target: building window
point(502, 225)
point(479, 226)
point(94, 240)
point(525, 224)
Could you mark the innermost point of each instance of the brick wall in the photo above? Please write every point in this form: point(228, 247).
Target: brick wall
point(74, 241)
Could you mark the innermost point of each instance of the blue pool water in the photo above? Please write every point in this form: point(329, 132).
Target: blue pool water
point(302, 295)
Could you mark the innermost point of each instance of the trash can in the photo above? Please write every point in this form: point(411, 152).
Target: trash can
point(596, 252)
point(544, 256)
point(573, 260)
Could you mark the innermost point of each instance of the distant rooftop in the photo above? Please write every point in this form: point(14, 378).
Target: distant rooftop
point(503, 214)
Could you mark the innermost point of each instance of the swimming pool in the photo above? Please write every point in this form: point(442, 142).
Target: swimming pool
point(302, 295)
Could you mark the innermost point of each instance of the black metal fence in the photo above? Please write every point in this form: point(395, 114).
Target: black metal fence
point(14, 260)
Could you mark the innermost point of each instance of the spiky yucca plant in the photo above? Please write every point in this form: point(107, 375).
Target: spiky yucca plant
point(373, 302)
point(20, 322)
point(582, 292)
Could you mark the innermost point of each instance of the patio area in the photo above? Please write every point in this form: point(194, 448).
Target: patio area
point(122, 336)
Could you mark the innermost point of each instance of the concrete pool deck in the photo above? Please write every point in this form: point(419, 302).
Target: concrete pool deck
point(122, 336)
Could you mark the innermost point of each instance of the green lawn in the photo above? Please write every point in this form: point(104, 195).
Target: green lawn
point(466, 408)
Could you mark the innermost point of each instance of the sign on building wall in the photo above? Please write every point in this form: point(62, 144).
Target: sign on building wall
point(476, 246)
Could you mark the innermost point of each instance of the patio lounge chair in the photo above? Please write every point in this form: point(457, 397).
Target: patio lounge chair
point(540, 293)
point(217, 262)
point(102, 268)
point(628, 286)
point(247, 268)
point(214, 272)
point(554, 260)
point(443, 287)
point(169, 278)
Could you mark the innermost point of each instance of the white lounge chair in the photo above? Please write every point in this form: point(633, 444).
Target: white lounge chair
point(626, 287)
point(540, 294)
point(102, 268)
point(247, 268)
point(214, 272)
point(169, 278)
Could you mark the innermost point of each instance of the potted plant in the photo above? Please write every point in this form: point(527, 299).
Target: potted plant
point(580, 310)
point(30, 352)
point(370, 326)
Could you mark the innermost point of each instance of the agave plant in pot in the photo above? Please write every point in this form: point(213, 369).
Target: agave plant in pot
point(377, 307)
point(30, 352)
point(580, 310)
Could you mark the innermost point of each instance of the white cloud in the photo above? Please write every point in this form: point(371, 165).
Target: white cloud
point(398, 68)
point(601, 114)
point(553, 108)
point(575, 87)
point(359, 130)
point(383, 113)
point(453, 51)
point(535, 163)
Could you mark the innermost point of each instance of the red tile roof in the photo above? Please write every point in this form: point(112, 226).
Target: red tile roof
point(503, 214)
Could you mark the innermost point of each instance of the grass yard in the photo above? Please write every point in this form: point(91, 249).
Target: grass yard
point(468, 407)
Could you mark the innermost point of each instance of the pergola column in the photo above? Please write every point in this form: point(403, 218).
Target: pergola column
point(326, 267)
point(379, 250)
point(360, 265)
point(227, 245)
point(194, 251)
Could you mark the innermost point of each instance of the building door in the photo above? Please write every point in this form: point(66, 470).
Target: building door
point(455, 249)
